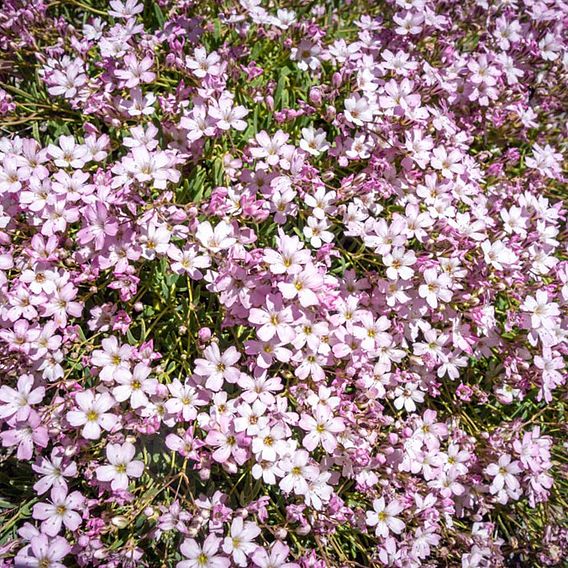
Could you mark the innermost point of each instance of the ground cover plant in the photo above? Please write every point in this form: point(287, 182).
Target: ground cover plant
point(283, 284)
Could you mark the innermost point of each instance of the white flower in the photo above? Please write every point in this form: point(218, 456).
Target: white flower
point(384, 518)
point(503, 473)
point(316, 231)
point(314, 141)
point(407, 396)
point(122, 466)
point(215, 239)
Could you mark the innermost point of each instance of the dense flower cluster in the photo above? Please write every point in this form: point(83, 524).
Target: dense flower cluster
point(283, 287)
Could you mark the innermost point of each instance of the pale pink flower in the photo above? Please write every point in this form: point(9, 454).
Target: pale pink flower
point(60, 512)
point(218, 367)
point(406, 396)
point(314, 141)
point(113, 358)
point(497, 254)
point(184, 400)
point(136, 387)
point(298, 473)
point(448, 163)
point(269, 148)
point(275, 557)
point(273, 320)
point(322, 428)
point(436, 287)
point(43, 552)
point(68, 153)
point(303, 286)
point(53, 471)
point(316, 231)
point(398, 263)
point(543, 312)
point(202, 64)
point(136, 71)
point(202, 556)
point(16, 403)
point(227, 115)
point(93, 413)
point(122, 466)
point(239, 542)
point(290, 257)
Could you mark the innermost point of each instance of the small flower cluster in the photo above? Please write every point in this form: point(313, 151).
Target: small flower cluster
point(283, 287)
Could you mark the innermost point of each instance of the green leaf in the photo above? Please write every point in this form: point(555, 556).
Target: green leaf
point(281, 95)
point(159, 14)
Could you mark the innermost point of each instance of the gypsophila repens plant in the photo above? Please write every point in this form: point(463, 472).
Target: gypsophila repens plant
point(283, 284)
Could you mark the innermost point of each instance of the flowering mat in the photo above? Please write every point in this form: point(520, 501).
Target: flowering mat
point(283, 284)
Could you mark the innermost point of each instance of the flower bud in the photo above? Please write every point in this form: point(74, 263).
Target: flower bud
point(119, 521)
point(280, 533)
point(315, 96)
point(302, 531)
point(204, 334)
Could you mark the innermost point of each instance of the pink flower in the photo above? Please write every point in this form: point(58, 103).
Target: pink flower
point(226, 441)
point(275, 557)
point(26, 435)
point(68, 81)
point(99, 225)
point(61, 305)
point(135, 71)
